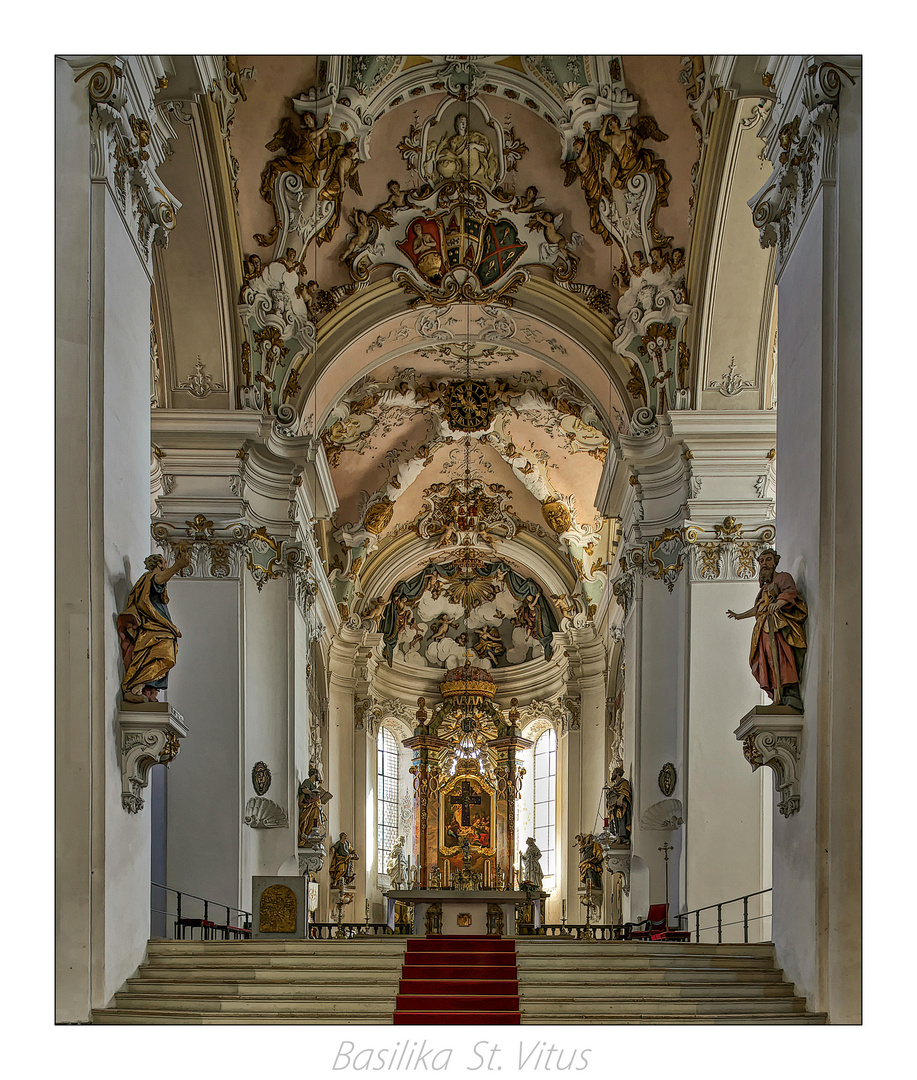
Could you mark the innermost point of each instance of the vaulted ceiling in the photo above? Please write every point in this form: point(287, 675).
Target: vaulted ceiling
point(462, 275)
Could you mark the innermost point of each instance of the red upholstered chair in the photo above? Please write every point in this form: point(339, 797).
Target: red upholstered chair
point(655, 927)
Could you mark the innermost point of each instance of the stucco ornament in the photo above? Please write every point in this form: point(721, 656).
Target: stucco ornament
point(262, 813)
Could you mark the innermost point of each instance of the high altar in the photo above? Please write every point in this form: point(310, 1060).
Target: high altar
point(466, 783)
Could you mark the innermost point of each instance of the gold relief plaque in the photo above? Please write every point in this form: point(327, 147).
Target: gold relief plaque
point(378, 516)
point(464, 919)
point(277, 910)
point(557, 516)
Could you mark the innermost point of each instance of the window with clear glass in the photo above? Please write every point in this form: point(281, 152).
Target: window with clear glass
point(545, 770)
point(386, 796)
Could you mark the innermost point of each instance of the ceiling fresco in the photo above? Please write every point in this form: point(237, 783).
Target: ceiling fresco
point(462, 276)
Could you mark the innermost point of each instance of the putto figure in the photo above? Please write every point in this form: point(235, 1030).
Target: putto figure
point(148, 637)
point(778, 641)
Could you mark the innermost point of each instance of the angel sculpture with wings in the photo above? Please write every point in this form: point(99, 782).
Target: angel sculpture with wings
point(621, 148)
point(342, 169)
point(320, 158)
point(304, 152)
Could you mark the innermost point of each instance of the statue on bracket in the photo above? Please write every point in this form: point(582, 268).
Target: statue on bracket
point(397, 866)
point(148, 637)
point(342, 870)
point(532, 874)
point(778, 640)
point(591, 860)
point(618, 803)
point(312, 798)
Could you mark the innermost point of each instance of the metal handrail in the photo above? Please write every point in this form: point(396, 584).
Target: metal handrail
point(696, 912)
point(246, 920)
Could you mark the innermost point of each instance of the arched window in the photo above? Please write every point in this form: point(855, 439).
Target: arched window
point(386, 796)
point(545, 770)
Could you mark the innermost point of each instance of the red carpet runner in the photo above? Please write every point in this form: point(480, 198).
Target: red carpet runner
point(458, 980)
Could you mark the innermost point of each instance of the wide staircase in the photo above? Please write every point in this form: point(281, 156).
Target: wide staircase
point(620, 982)
point(353, 981)
point(386, 980)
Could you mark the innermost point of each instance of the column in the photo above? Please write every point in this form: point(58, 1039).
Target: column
point(426, 750)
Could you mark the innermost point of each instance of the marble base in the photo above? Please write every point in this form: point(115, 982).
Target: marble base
point(456, 902)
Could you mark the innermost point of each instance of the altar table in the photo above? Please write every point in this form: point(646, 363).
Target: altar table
point(470, 902)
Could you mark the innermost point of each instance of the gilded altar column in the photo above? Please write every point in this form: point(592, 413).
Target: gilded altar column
point(509, 788)
point(426, 750)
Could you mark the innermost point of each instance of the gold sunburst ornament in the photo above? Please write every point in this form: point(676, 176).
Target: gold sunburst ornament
point(471, 592)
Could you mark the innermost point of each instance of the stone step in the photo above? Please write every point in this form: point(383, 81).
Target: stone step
point(383, 946)
point(273, 974)
point(381, 1007)
point(655, 1018)
point(588, 962)
point(572, 991)
point(659, 1007)
point(571, 947)
point(279, 963)
point(318, 989)
point(150, 1017)
point(687, 976)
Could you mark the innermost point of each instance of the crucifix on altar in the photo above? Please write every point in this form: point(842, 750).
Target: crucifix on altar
point(466, 799)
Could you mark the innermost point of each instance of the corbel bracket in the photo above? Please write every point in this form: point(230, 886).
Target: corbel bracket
point(615, 858)
point(150, 734)
point(772, 735)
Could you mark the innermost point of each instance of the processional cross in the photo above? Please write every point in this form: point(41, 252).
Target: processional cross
point(466, 799)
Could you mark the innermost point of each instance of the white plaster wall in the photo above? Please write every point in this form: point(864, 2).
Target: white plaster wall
point(205, 797)
point(799, 426)
point(817, 851)
point(73, 730)
point(122, 316)
point(659, 722)
point(266, 719)
point(726, 848)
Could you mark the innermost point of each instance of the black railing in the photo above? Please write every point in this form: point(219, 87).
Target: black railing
point(697, 930)
point(192, 912)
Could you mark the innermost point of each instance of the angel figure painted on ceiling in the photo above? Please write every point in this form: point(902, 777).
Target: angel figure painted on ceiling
point(528, 616)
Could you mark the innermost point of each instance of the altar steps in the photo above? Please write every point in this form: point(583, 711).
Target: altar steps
point(458, 980)
point(353, 981)
point(593, 982)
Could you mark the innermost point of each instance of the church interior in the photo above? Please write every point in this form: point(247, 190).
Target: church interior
point(442, 568)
